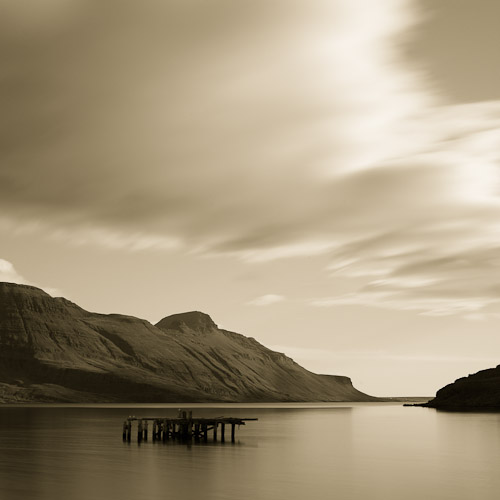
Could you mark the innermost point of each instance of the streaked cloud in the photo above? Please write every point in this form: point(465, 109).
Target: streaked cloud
point(266, 300)
point(115, 240)
point(305, 354)
point(173, 127)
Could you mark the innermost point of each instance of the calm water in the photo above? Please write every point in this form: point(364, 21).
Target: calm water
point(338, 451)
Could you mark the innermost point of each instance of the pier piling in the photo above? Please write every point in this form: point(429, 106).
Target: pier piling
point(182, 428)
point(139, 431)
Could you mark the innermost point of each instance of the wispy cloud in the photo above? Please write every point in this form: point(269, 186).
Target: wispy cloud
point(305, 354)
point(115, 239)
point(266, 300)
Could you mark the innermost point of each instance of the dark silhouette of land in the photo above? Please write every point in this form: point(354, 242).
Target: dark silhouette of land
point(480, 390)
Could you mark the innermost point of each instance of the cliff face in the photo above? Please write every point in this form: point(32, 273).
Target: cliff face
point(53, 350)
point(480, 391)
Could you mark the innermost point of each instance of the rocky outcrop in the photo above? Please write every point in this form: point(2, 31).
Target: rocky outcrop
point(478, 391)
point(53, 350)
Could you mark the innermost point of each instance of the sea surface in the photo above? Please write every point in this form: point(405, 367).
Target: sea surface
point(325, 451)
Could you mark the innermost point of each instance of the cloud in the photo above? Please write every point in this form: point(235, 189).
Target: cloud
point(115, 240)
point(172, 126)
point(9, 274)
point(306, 354)
point(266, 300)
point(216, 137)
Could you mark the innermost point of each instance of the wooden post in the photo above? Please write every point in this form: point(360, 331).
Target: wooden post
point(145, 430)
point(232, 432)
point(222, 431)
point(215, 431)
point(129, 431)
point(139, 431)
point(125, 427)
point(154, 430)
point(197, 432)
point(205, 432)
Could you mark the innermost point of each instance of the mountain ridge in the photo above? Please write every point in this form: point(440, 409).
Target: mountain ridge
point(53, 350)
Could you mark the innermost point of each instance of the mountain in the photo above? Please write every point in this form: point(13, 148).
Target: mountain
point(53, 350)
point(478, 391)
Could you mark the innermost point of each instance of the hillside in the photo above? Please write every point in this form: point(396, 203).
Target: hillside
point(53, 350)
point(480, 390)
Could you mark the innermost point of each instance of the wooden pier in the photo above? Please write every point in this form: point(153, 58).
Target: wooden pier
point(183, 428)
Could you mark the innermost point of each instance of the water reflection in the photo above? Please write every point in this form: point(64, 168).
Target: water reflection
point(375, 451)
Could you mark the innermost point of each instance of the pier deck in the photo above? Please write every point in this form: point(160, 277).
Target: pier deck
point(183, 427)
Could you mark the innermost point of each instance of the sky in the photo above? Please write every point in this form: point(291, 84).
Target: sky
point(322, 176)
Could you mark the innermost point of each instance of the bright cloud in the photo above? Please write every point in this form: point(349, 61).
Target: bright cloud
point(8, 273)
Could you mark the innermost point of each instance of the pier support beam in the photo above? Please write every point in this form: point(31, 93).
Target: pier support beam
point(222, 432)
point(215, 431)
point(232, 432)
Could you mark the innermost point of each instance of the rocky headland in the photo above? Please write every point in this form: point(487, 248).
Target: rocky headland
point(480, 390)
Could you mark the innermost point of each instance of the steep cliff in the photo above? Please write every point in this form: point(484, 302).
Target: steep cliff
point(53, 350)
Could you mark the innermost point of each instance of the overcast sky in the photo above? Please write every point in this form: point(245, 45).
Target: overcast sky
point(322, 175)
